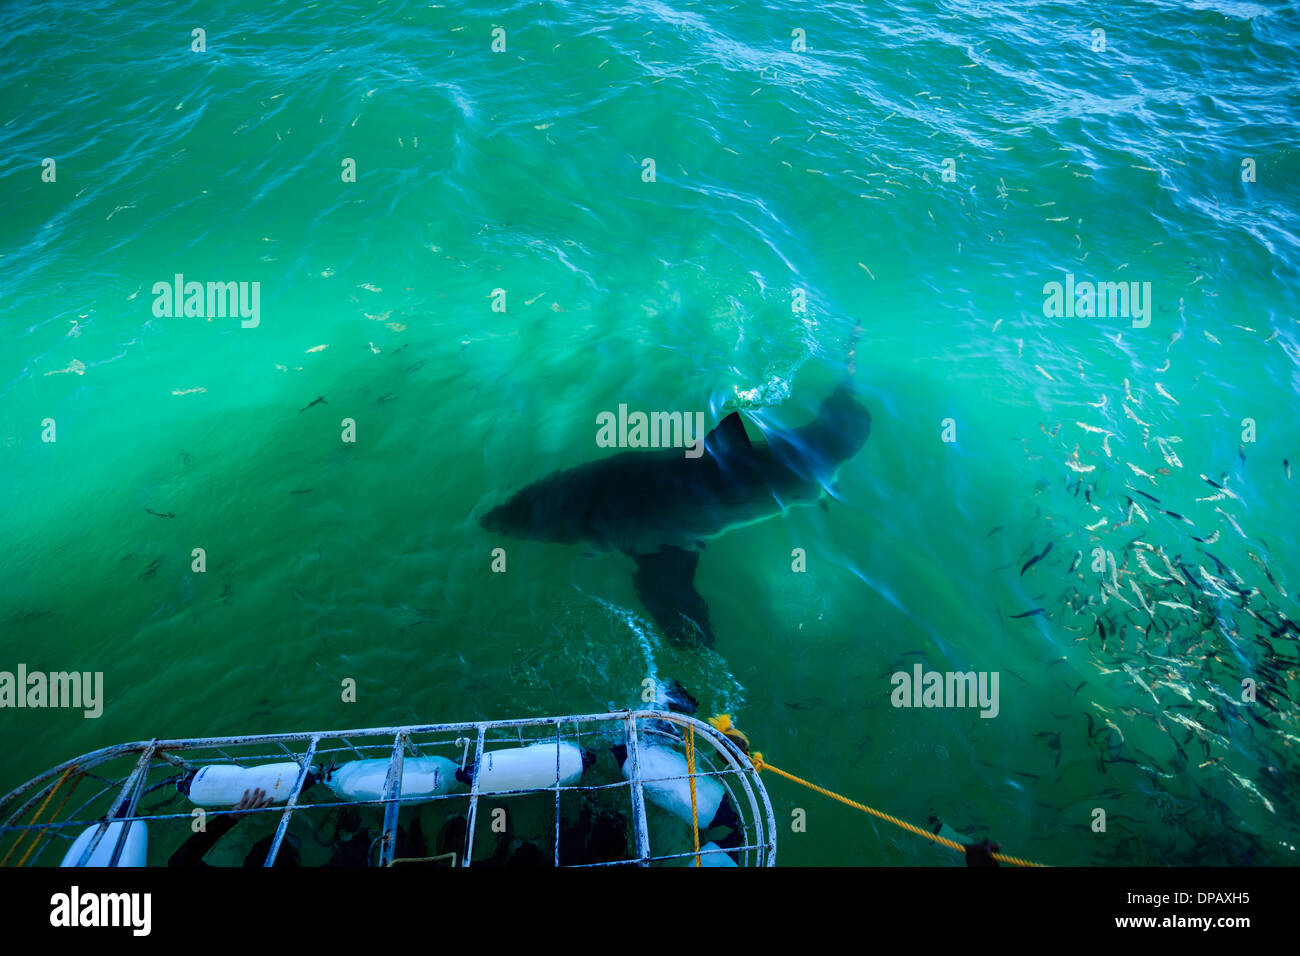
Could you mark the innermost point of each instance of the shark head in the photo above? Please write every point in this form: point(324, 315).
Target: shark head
point(844, 424)
point(837, 433)
point(537, 512)
point(515, 516)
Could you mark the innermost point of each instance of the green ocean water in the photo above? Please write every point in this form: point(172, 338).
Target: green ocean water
point(776, 170)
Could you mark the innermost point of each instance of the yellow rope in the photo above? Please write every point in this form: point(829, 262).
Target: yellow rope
point(54, 816)
point(690, 770)
point(760, 764)
point(32, 821)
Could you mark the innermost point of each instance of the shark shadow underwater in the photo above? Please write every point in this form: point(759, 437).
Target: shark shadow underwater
point(659, 506)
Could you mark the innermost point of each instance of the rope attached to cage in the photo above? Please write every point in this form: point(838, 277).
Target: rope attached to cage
point(35, 816)
point(723, 723)
point(690, 770)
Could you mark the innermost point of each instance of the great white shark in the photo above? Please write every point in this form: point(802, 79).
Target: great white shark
point(660, 506)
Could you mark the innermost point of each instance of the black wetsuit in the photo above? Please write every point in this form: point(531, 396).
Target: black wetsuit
point(193, 850)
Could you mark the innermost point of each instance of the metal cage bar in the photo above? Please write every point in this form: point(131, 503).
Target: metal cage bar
point(392, 790)
point(473, 796)
point(640, 828)
point(291, 804)
point(125, 796)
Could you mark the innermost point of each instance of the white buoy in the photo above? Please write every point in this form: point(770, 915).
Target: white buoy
point(714, 859)
point(223, 785)
point(528, 768)
point(421, 777)
point(134, 850)
point(674, 795)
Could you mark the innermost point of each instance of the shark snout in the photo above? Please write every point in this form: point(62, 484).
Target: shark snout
point(512, 516)
point(490, 520)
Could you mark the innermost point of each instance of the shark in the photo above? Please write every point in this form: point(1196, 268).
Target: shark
point(659, 507)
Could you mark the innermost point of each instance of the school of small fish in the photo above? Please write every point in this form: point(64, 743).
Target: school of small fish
point(1196, 641)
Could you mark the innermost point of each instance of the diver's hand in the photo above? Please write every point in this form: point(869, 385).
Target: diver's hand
point(254, 799)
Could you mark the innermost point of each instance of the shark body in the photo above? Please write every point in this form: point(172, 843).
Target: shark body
point(659, 506)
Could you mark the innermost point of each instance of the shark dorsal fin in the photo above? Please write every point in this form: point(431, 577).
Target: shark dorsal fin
point(728, 436)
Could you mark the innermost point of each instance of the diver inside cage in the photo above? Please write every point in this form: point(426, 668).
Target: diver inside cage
point(354, 845)
point(351, 844)
point(191, 852)
point(596, 834)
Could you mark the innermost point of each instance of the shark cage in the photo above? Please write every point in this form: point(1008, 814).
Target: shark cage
point(629, 788)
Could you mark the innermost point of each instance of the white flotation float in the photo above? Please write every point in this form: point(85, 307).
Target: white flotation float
point(134, 851)
point(223, 785)
point(528, 768)
point(715, 859)
point(675, 795)
point(364, 779)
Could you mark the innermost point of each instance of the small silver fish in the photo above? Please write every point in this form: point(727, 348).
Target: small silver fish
point(1141, 683)
point(1141, 558)
point(1169, 565)
point(1140, 473)
point(1141, 599)
point(1236, 527)
point(1178, 689)
point(1171, 459)
point(1113, 592)
point(1129, 412)
point(1214, 582)
point(1250, 787)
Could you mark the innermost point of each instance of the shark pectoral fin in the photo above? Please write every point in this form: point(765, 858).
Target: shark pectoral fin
point(665, 583)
